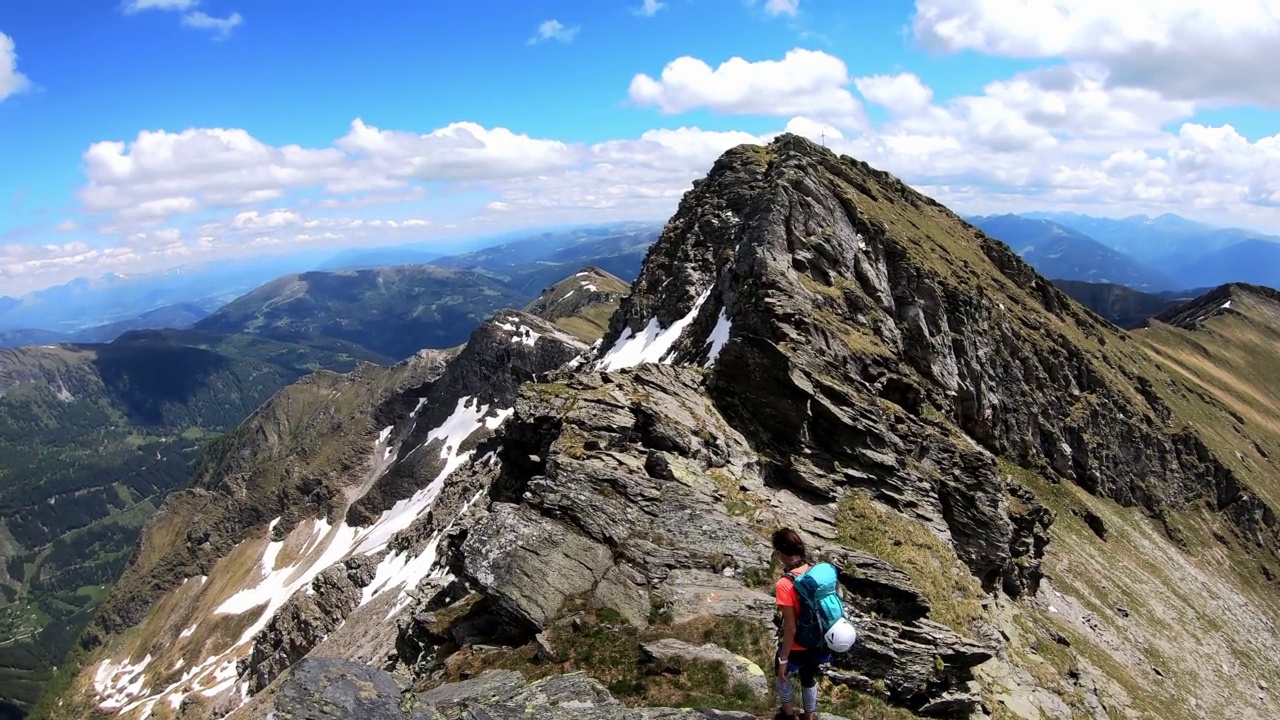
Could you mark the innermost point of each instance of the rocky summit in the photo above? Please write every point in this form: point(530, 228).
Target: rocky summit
point(1036, 514)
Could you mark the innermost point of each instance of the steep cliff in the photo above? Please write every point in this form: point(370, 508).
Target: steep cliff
point(1029, 522)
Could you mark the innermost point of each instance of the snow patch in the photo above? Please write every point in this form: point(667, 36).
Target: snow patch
point(569, 295)
point(1226, 305)
point(506, 326)
point(719, 336)
point(652, 344)
point(421, 402)
point(589, 287)
point(121, 684)
point(526, 335)
point(455, 430)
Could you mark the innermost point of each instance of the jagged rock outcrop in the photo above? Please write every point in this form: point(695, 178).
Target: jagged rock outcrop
point(508, 350)
point(1216, 302)
point(861, 312)
point(305, 620)
point(631, 491)
point(339, 689)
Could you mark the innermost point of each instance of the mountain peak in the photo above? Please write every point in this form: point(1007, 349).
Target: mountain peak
point(1224, 299)
point(581, 303)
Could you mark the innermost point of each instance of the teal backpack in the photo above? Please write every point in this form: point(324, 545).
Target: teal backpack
point(820, 604)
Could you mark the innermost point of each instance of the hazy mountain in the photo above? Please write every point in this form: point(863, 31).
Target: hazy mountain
point(363, 259)
point(1121, 305)
point(1059, 252)
point(534, 263)
point(1039, 515)
point(1255, 262)
point(179, 316)
point(390, 312)
point(1166, 241)
point(114, 297)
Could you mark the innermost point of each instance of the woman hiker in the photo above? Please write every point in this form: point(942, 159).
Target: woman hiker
point(792, 659)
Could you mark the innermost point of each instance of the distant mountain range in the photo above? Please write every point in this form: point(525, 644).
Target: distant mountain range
point(68, 309)
point(178, 316)
point(1164, 239)
point(1150, 254)
point(1057, 251)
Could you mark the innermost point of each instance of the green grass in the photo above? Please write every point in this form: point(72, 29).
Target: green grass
point(954, 595)
point(608, 649)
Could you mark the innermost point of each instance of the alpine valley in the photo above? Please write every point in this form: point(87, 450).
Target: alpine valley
point(94, 436)
point(1038, 514)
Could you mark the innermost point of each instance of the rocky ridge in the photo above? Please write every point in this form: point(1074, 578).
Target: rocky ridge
point(581, 303)
point(810, 343)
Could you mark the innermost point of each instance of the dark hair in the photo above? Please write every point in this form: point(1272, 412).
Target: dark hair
point(787, 542)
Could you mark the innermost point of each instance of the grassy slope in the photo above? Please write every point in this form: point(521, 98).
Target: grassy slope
point(583, 313)
point(1230, 384)
point(92, 438)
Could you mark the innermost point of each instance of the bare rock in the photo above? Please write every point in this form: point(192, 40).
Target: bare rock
point(528, 565)
point(670, 655)
point(688, 594)
point(330, 688)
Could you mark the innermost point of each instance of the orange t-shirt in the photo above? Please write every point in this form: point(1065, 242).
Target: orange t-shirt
point(784, 592)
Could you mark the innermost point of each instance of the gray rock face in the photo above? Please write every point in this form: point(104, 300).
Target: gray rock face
point(341, 689)
point(690, 594)
point(859, 308)
point(670, 655)
point(618, 493)
point(305, 620)
point(629, 495)
point(920, 664)
point(324, 688)
point(530, 566)
point(507, 350)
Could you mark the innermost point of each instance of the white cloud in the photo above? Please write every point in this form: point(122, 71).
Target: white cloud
point(161, 173)
point(67, 226)
point(133, 6)
point(273, 219)
point(902, 94)
point(221, 27)
point(649, 8)
point(554, 30)
point(803, 82)
point(782, 7)
point(192, 18)
point(1033, 110)
point(814, 130)
point(460, 151)
point(1056, 138)
point(1188, 49)
point(11, 81)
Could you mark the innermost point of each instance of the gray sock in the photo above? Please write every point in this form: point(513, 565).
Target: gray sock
point(786, 691)
point(810, 699)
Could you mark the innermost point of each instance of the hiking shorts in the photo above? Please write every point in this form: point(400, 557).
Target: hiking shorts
point(804, 663)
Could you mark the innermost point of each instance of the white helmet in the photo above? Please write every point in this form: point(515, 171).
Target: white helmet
point(841, 636)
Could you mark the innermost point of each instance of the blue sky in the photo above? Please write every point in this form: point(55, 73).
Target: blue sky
point(141, 134)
